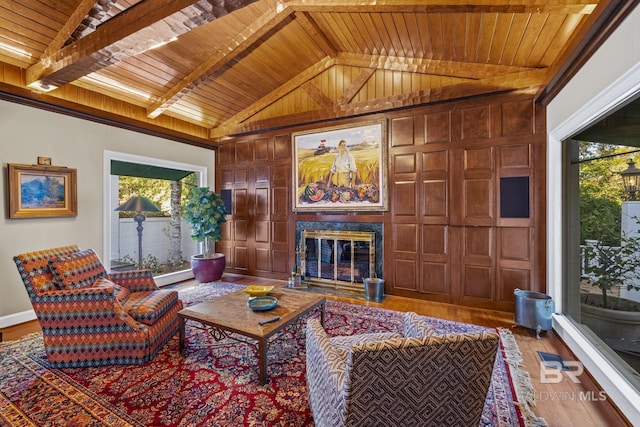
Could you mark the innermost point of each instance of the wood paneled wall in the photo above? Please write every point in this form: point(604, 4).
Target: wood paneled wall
point(445, 236)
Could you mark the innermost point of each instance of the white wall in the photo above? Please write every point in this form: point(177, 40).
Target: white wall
point(25, 134)
point(156, 241)
point(610, 77)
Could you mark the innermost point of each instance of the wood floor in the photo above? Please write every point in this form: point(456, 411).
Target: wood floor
point(562, 404)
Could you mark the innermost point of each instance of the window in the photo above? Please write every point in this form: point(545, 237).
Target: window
point(604, 250)
point(162, 240)
point(563, 259)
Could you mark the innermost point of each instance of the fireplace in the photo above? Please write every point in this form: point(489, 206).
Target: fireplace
point(339, 255)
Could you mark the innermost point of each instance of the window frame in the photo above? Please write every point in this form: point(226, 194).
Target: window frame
point(108, 156)
point(598, 363)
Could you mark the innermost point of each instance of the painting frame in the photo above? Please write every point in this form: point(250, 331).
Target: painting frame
point(30, 198)
point(327, 177)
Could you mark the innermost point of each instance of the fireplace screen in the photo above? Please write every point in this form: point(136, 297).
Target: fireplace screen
point(338, 258)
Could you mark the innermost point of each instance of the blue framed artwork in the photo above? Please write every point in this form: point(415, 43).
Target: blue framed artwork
point(42, 191)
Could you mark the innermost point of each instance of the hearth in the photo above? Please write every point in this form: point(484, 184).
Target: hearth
point(339, 256)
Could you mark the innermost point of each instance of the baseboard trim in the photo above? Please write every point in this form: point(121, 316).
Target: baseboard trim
point(17, 318)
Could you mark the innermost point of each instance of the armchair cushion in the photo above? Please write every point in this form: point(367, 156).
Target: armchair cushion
point(148, 306)
point(77, 270)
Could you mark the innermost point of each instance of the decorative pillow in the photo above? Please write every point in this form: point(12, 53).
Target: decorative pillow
point(120, 292)
point(415, 326)
point(77, 270)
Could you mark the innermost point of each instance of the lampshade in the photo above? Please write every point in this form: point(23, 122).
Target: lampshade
point(138, 204)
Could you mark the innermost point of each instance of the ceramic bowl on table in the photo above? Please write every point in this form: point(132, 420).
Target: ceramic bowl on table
point(263, 303)
point(258, 291)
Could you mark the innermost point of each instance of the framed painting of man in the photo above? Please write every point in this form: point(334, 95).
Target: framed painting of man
point(340, 168)
point(42, 191)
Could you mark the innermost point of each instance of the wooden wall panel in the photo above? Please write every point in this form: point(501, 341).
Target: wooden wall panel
point(437, 127)
point(263, 260)
point(475, 122)
point(435, 278)
point(404, 198)
point(262, 229)
point(280, 262)
point(477, 284)
point(436, 200)
point(282, 147)
point(240, 234)
point(262, 176)
point(244, 151)
point(280, 202)
point(280, 198)
point(517, 117)
point(478, 161)
point(404, 163)
point(261, 202)
point(435, 260)
point(515, 156)
point(240, 258)
point(226, 179)
point(402, 131)
point(478, 187)
point(444, 238)
point(279, 231)
point(404, 274)
point(241, 202)
point(478, 201)
point(281, 174)
point(516, 262)
point(261, 149)
point(515, 244)
point(511, 279)
point(435, 186)
point(226, 154)
point(405, 239)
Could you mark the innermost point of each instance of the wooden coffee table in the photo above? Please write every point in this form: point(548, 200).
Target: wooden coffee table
point(229, 314)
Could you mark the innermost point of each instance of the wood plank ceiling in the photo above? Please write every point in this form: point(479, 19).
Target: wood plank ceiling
point(203, 70)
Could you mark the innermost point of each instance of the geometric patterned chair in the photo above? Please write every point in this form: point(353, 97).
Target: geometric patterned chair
point(385, 379)
point(91, 318)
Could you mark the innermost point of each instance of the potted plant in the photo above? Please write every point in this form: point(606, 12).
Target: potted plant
point(205, 212)
point(613, 267)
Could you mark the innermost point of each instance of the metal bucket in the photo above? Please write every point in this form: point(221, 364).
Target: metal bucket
point(533, 310)
point(374, 289)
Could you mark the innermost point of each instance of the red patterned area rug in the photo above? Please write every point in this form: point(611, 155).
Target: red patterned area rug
point(216, 384)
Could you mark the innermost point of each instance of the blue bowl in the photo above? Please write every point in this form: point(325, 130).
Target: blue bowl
point(262, 303)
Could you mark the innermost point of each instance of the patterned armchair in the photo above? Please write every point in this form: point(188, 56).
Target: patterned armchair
point(91, 318)
point(412, 379)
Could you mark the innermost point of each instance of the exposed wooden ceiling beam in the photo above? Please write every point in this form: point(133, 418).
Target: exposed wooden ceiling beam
point(281, 91)
point(234, 48)
point(317, 95)
point(129, 33)
point(371, 63)
point(527, 81)
point(355, 86)
point(465, 70)
point(442, 6)
point(316, 34)
point(36, 71)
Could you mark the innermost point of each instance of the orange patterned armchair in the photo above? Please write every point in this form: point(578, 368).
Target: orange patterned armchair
point(91, 318)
